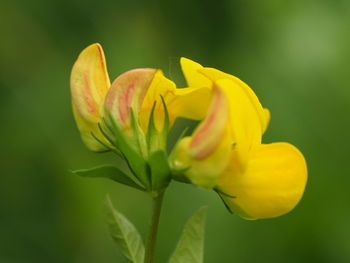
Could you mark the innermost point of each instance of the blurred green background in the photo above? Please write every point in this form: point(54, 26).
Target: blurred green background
point(294, 54)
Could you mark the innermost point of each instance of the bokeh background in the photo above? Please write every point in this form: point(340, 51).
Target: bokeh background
point(294, 54)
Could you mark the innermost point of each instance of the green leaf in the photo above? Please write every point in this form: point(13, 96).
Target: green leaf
point(111, 172)
point(191, 244)
point(125, 234)
point(160, 170)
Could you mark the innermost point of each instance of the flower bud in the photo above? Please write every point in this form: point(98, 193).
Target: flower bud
point(140, 107)
point(123, 104)
point(89, 83)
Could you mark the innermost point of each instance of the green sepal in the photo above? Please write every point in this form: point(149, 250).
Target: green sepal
point(159, 169)
point(226, 206)
point(158, 139)
point(226, 195)
point(112, 147)
point(125, 234)
point(106, 135)
point(190, 247)
point(220, 192)
point(166, 125)
point(138, 134)
point(108, 148)
point(182, 135)
point(135, 160)
point(153, 137)
point(178, 175)
point(110, 172)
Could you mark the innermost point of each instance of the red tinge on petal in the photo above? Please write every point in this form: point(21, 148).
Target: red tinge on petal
point(89, 82)
point(208, 135)
point(127, 92)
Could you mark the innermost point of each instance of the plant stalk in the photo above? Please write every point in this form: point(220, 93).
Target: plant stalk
point(152, 236)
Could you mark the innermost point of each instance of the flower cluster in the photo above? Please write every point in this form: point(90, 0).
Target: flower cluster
point(133, 116)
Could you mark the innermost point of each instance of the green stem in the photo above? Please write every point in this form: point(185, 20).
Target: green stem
point(152, 236)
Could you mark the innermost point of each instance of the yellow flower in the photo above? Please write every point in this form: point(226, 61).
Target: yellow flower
point(135, 92)
point(225, 152)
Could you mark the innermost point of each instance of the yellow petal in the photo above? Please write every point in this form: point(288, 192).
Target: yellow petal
point(243, 120)
point(191, 103)
point(267, 119)
point(231, 128)
point(86, 130)
point(207, 152)
point(89, 83)
point(192, 71)
point(158, 88)
point(210, 131)
point(272, 184)
point(179, 102)
point(193, 77)
point(215, 75)
point(201, 172)
point(127, 93)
